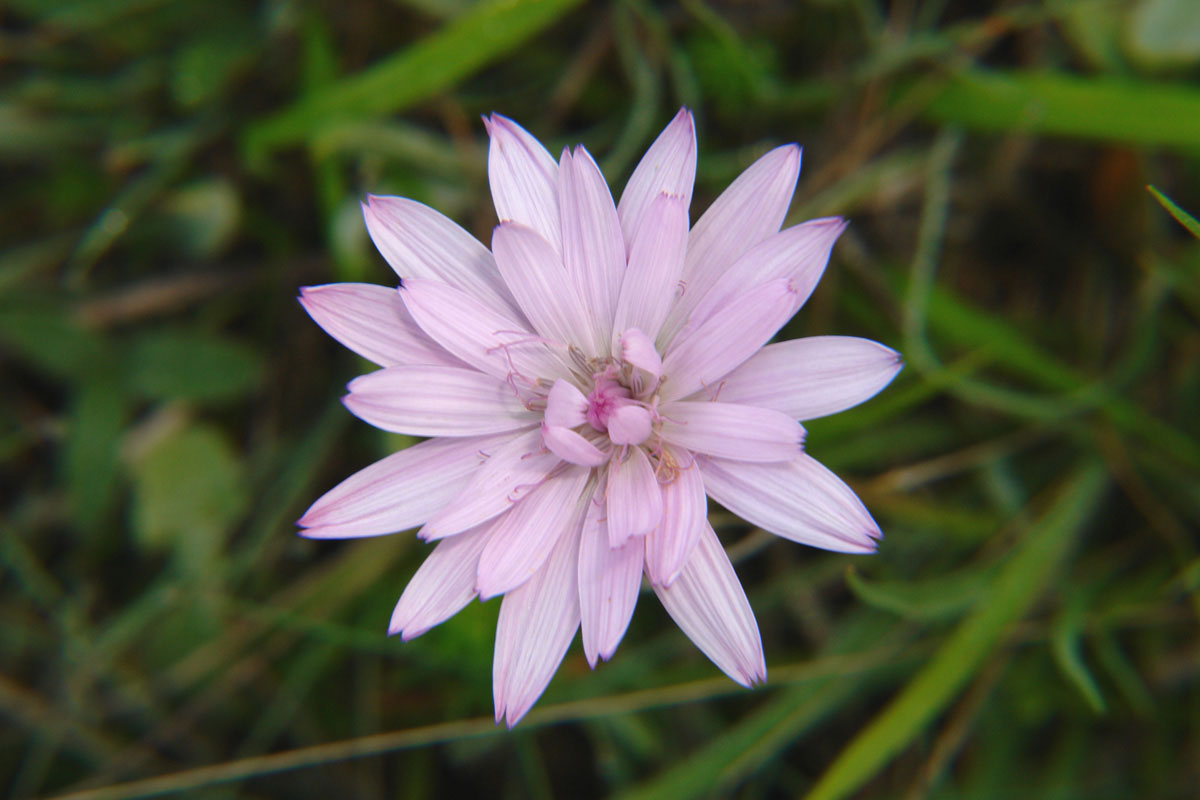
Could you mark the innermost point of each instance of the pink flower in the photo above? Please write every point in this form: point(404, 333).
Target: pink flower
point(586, 385)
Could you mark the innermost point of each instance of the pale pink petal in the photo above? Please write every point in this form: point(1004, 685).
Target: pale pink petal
point(629, 424)
point(397, 492)
point(506, 476)
point(655, 266)
point(565, 405)
point(537, 278)
point(748, 211)
point(483, 336)
point(708, 604)
point(668, 166)
point(524, 180)
point(634, 499)
point(741, 433)
point(537, 622)
point(441, 587)
point(800, 253)
point(571, 446)
point(813, 377)
point(701, 356)
point(799, 500)
point(593, 247)
point(638, 349)
point(685, 515)
point(371, 321)
point(419, 242)
point(436, 401)
point(523, 538)
point(609, 579)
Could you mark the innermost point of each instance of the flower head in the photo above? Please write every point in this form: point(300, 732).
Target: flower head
point(586, 385)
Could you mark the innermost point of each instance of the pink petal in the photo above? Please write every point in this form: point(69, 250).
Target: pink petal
point(685, 515)
point(701, 356)
point(629, 424)
point(634, 499)
point(535, 274)
point(371, 321)
point(593, 247)
point(638, 349)
point(655, 266)
point(741, 433)
point(507, 475)
point(486, 338)
point(800, 500)
point(419, 242)
point(813, 377)
point(537, 622)
point(398, 492)
point(571, 446)
point(523, 538)
point(708, 604)
point(524, 180)
point(668, 166)
point(566, 406)
point(436, 401)
point(441, 587)
point(748, 211)
point(609, 580)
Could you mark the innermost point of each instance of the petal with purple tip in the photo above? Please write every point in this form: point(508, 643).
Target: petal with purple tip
point(593, 248)
point(609, 579)
point(524, 180)
point(668, 166)
point(441, 587)
point(741, 433)
point(655, 265)
point(685, 514)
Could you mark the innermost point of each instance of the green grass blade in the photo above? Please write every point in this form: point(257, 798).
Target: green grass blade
point(1182, 217)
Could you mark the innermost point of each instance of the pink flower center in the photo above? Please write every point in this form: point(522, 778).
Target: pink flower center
point(606, 397)
point(612, 410)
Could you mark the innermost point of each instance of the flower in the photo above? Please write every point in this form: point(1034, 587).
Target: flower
point(585, 384)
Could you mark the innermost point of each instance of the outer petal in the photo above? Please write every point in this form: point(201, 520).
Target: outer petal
point(809, 378)
point(655, 266)
point(523, 538)
point(609, 580)
point(508, 475)
point(634, 500)
point(800, 500)
point(441, 587)
point(371, 321)
point(593, 248)
point(668, 166)
point(700, 357)
point(537, 622)
point(398, 492)
point(571, 446)
point(419, 242)
point(741, 433)
point(524, 179)
point(685, 515)
point(748, 211)
point(535, 274)
point(436, 401)
point(708, 604)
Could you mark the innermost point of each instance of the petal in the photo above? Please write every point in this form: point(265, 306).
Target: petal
point(638, 349)
point(741, 433)
point(508, 474)
point(571, 446)
point(398, 492)
point(371, 321)
point(748, 211)
point(566, 406)
point(488, 339)
point(813, 377)
point(634, 500)
point(609, 579)
point(523, 538)
point(535, 274)
point(593, 247)
point(537, 622)
point(419, 242)
point(524, 179)
point(629, 424)
point(441, 587)
point(655, 266)
point(685, 515)
point(701, 356)
point(800, 500)
point(436, 401)
point(668, 166)
point(708, 604)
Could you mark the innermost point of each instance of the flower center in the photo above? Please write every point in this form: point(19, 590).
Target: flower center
point(612, 410)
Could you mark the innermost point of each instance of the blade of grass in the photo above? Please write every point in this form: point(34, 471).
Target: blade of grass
point(1182, 217)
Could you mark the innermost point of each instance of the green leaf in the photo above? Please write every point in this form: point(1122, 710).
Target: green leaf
point(47, 338)
point(91, 451)
point(1065, 643)
point(1182, 217)
point(185, 365)
point(940, 598)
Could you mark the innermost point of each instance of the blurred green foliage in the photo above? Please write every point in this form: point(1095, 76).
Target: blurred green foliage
point(175, 170)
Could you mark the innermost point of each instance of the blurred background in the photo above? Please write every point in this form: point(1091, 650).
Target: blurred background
point(174, 171)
